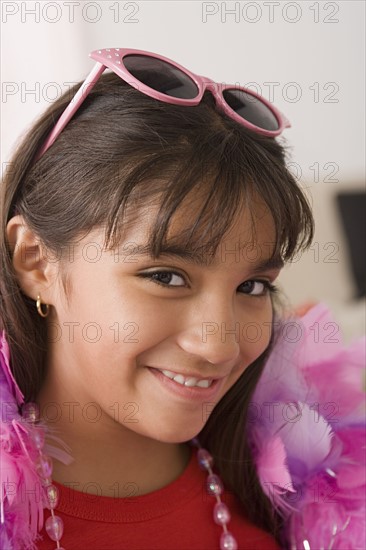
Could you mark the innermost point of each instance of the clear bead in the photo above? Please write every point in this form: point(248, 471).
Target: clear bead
point(221, 513)
point(214, 485)
point(30, 412)
point(38, 437)
point(228, 542)
point(45, 481)
point(52, 496)
point(54, 527)
point(205, 460)
point(44, 466)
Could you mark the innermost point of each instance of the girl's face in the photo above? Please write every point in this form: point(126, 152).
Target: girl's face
point(128, 317)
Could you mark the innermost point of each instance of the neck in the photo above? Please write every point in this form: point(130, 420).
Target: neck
point(108, 455)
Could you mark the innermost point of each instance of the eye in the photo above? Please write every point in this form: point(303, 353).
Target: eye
point(168, 279)
point(163, 278)
point(258, 288)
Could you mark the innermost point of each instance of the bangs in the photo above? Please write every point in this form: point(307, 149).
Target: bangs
point(209, 186)
point(193, 162)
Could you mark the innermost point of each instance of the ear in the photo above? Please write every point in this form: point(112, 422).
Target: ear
point(35, 273)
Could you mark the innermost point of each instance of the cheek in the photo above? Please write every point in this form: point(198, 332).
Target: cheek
point(255, 336)
point(122, 329)
point(256, 340)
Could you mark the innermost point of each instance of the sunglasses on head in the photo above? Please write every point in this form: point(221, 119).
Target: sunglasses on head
point(167, 81)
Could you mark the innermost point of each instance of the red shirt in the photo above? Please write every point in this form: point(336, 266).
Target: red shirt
point(177, 516)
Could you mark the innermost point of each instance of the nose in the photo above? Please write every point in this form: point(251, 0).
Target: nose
point(212, 333)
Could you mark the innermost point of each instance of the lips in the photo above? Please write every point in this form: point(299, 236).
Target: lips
point(189, 381)
point(188, 392)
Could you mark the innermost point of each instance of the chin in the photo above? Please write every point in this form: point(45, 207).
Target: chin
point(176, 435)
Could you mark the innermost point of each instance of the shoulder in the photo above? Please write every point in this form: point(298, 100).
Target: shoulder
point(248, 535)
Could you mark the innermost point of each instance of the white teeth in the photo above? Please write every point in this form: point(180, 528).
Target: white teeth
point(179, 378)
point(189, 382)
point(204, 383)
point(168, 373)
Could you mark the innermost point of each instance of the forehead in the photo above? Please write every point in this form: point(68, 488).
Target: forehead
point(252, 227)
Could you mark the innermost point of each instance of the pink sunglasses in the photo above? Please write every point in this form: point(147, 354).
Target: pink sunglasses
point(167, 81)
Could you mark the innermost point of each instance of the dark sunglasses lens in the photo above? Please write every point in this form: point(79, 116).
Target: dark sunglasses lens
point(161, 76)
point(251, 109)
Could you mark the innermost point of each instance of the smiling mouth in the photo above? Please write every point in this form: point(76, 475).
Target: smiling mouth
point(186, 386)
point(188, 381)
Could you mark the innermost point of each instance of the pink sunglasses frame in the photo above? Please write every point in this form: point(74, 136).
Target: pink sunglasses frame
point(112, 58)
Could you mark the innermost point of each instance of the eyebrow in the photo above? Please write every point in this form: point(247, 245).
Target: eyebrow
point(204, 260)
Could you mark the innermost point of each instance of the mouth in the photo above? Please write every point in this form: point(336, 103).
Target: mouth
point(189, 381)
point(188, 386)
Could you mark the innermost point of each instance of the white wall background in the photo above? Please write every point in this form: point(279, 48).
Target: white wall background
point(306, 57)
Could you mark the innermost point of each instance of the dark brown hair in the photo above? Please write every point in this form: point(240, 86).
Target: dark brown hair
point(122, 151)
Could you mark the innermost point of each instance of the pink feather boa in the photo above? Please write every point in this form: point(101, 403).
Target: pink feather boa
point(23, 498)
point(307, 430)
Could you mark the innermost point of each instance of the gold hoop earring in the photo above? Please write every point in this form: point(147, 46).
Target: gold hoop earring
point(39, 307)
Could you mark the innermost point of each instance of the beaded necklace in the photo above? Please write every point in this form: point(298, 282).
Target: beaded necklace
point(54, 524)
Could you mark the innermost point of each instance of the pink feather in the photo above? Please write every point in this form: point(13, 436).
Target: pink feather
point(351, 472)
point(313, 386)
point(22, 497)
point(272, 467)
point(19, 479)
point(326, 519)
point(308, 439)
point(5, 364)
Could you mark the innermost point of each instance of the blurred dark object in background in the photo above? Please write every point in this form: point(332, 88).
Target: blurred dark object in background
point(352, 208)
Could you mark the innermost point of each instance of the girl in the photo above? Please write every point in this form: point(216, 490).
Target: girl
point(141, 239)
